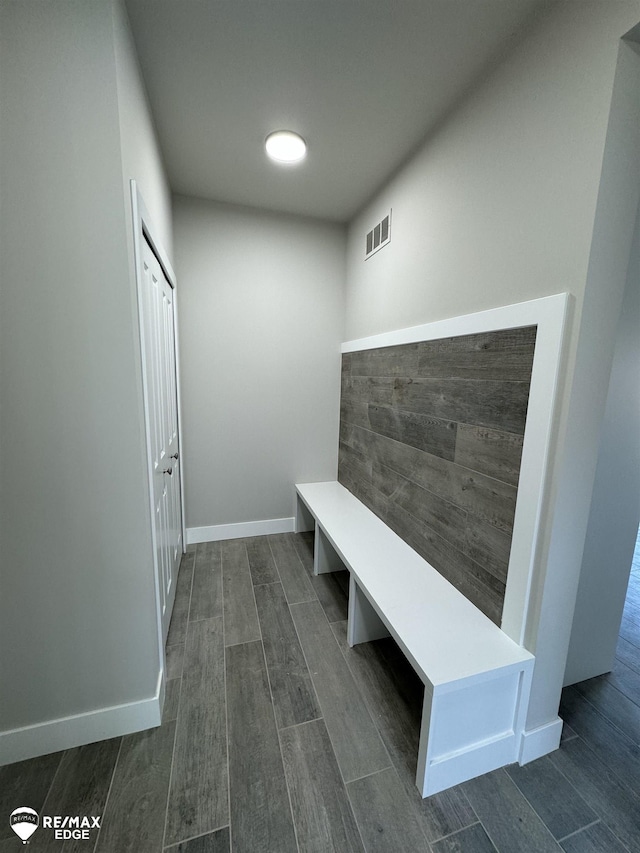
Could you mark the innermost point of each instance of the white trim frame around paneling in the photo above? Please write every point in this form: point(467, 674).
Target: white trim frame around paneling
point(549, 314)
point(239, 530)
point(143, 228)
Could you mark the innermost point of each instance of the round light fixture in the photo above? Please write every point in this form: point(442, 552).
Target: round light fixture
point(285, 146)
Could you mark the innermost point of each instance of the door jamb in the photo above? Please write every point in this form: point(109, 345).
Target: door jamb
point(143, 228)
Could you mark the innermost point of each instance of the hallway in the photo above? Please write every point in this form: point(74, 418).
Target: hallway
point(277, 737)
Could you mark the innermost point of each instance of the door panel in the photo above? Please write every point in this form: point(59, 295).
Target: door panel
point(162, 411)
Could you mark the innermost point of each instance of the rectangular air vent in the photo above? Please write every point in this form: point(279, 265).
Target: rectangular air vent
point(378, 237)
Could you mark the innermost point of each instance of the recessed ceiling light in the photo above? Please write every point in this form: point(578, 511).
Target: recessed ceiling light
point(285, 146)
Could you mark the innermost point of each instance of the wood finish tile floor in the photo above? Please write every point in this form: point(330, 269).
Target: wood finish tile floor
point(278, 738)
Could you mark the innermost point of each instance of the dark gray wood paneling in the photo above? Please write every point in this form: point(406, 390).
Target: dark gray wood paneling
point(439, 441)
point(140, 787)
point(355, 739)
point(399, 360)
point(322, 814)
point(240, 617)
point(354, 458)
point(368, 390)
point(388, 823)
point(473, 580)
point(488, 499)
point(491, 403)
point(427, 433)
point(444, 518)
point(503, 354)
point(260, 810)
point(489, 451)
point(475, 537)
point(487, 546)
point(353, 412)
point(206, 592)
point(294, 698)
point(198, 799)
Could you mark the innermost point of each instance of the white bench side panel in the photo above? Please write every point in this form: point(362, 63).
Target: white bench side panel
point(468, 716)
point(471, 731)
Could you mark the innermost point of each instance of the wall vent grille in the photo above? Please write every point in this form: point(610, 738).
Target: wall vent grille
point(378, 237)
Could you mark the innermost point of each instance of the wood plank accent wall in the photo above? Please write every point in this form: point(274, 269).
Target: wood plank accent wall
point(431, 439)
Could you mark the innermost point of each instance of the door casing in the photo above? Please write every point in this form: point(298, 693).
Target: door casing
point(144, 229)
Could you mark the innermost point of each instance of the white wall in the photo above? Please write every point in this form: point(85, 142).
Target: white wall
point(498, 206)
point(261, 322)
point(141, 157)
point(615, 503)
point(567, 512)
point(78, 616)
point(502, 205)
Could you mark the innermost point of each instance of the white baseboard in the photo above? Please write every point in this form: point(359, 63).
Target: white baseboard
point(541, 741)
point(79, 729)
point(216, 532)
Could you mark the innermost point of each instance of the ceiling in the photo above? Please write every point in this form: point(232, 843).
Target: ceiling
point(363, 81)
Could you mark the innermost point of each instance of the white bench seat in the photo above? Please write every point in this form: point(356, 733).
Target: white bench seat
point(477, 680)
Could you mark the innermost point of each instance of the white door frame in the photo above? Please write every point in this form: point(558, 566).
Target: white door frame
point(144, 229)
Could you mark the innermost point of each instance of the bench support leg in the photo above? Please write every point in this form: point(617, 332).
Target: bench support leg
point(364, 623)
point(325, 558)
point(304, 519)
point(423, 747)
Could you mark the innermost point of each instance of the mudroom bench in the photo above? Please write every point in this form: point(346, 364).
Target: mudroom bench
point(476, 679)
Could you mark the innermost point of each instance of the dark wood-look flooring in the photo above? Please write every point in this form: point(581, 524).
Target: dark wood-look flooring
point(277, 737)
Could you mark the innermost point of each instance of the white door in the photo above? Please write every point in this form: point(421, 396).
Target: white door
point(158, 338)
